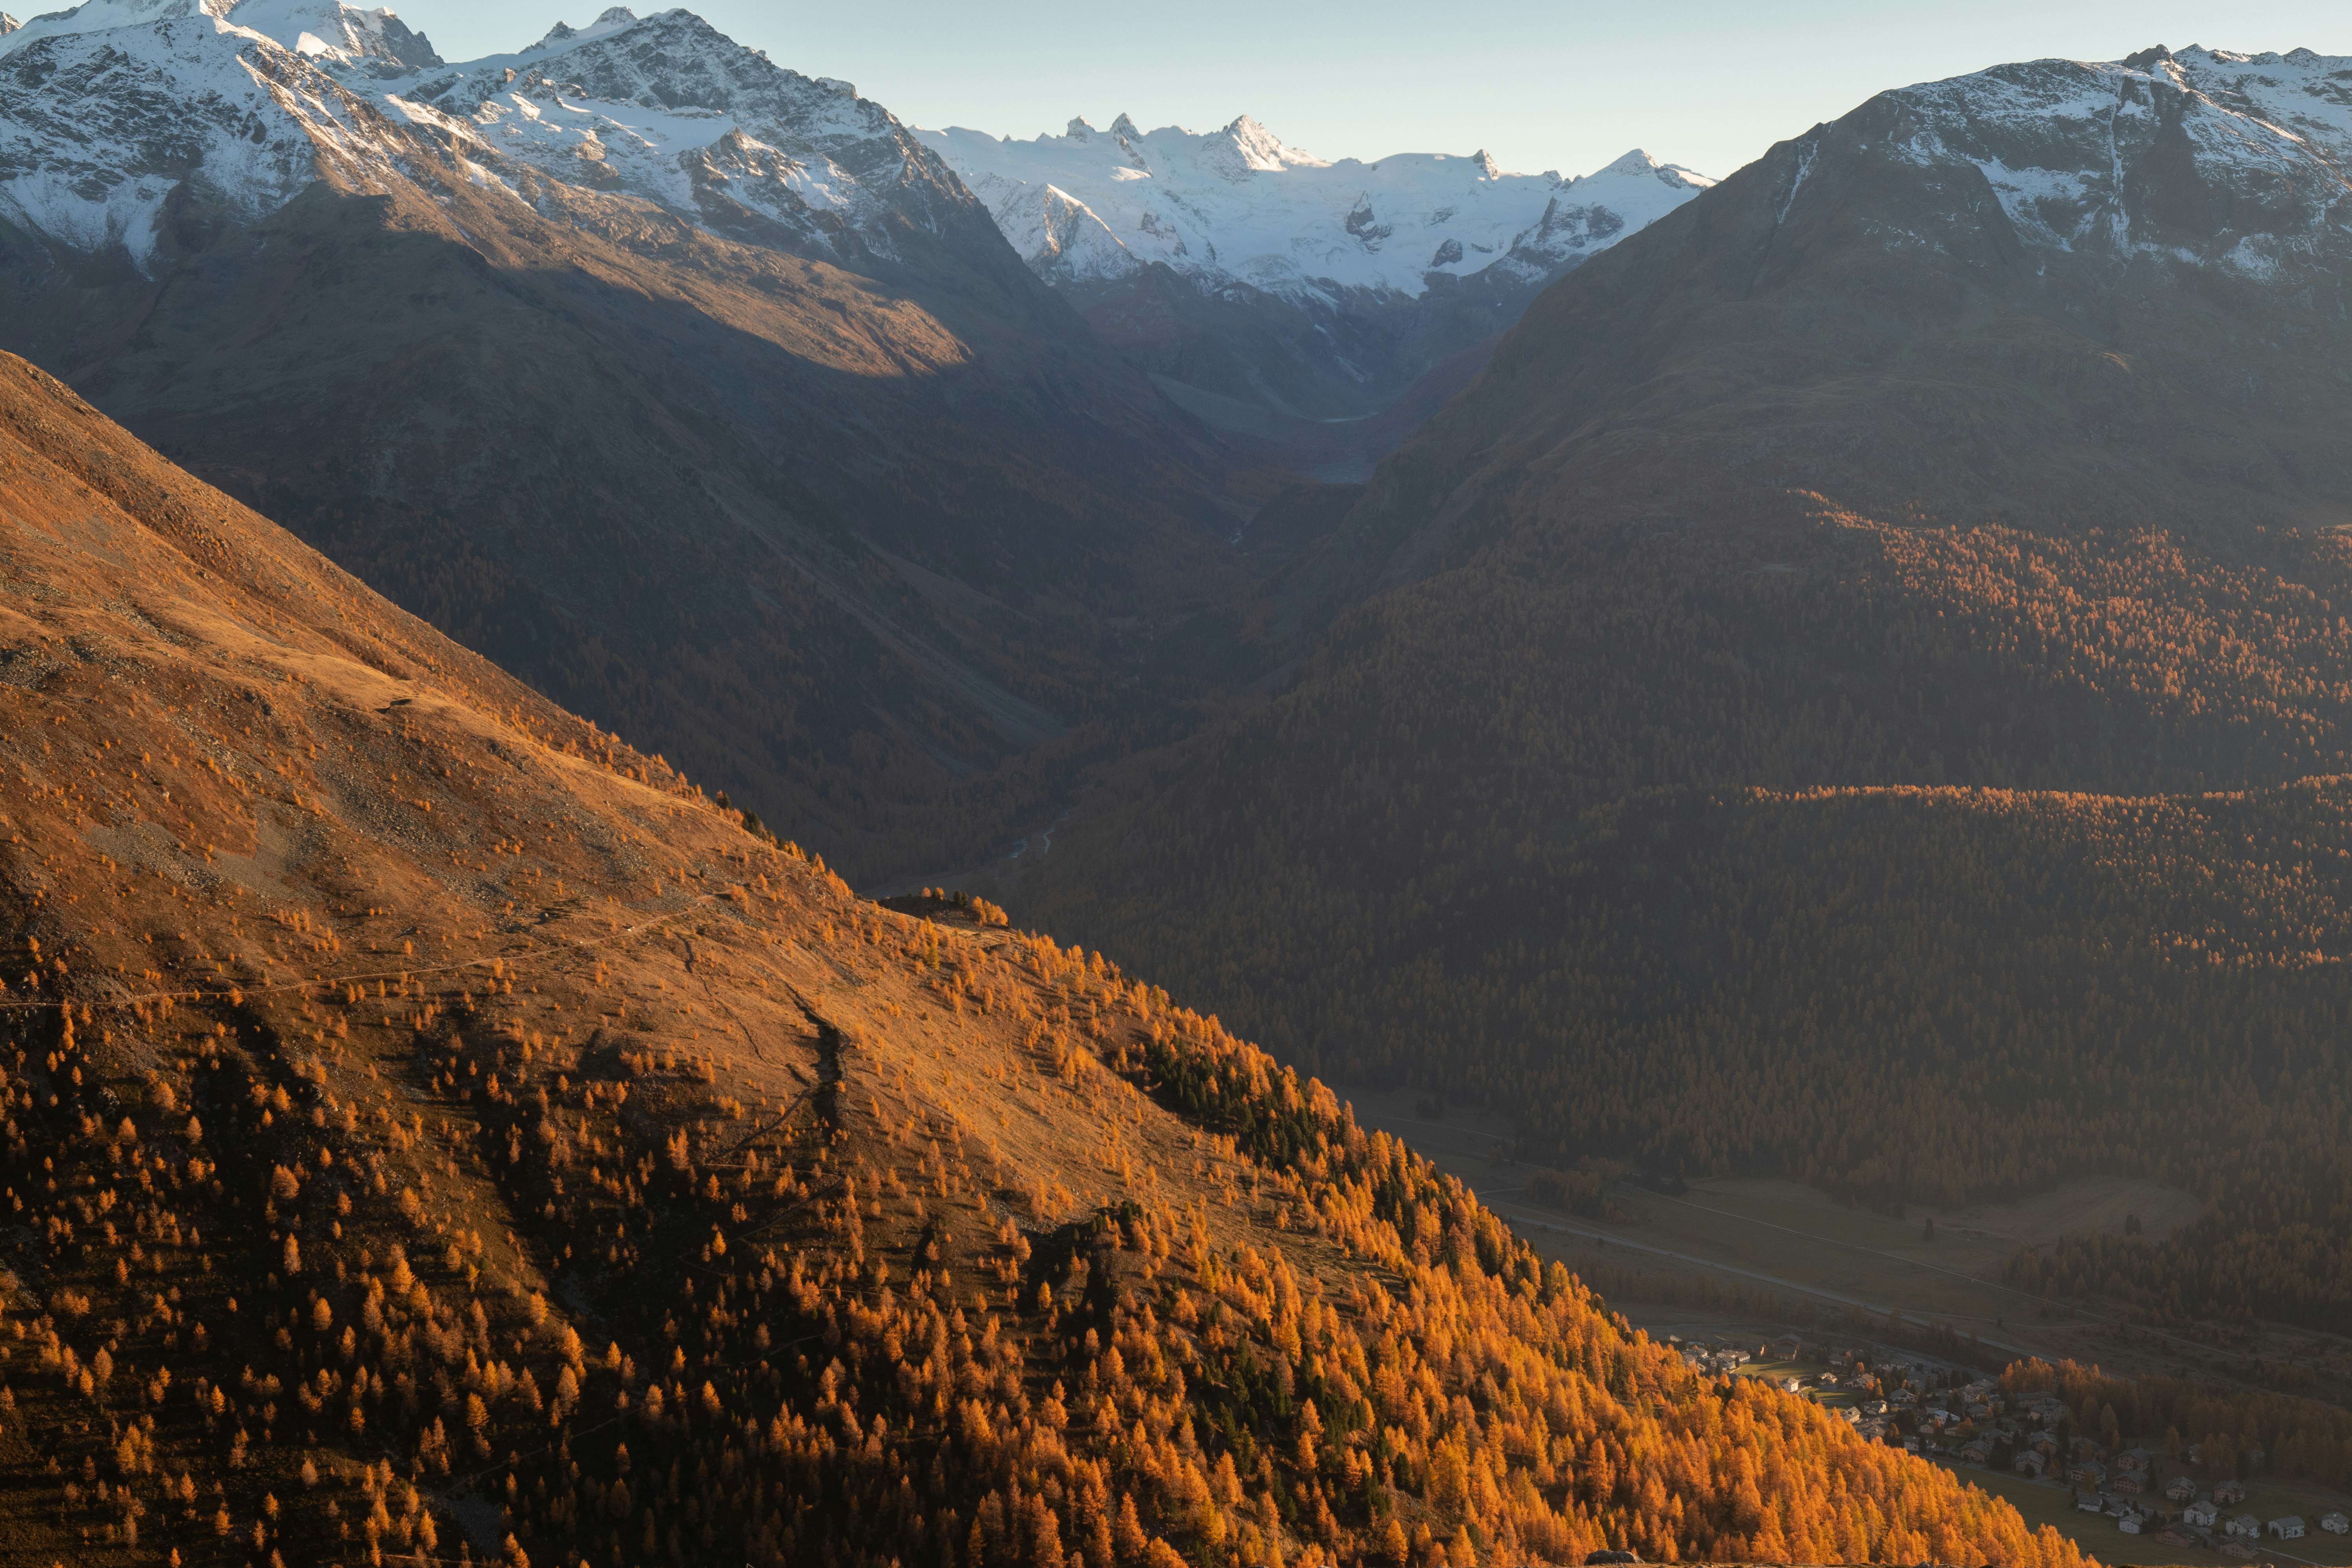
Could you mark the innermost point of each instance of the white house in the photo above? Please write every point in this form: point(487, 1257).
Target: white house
point(2243, 1527)
point(2335, 1523)
point(2289, 1528)
point(2201, 1514)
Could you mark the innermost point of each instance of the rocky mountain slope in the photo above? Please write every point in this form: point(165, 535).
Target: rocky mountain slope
point(1242, 266)
point(699, 392)
point(1860, 680)
point(434, 1128)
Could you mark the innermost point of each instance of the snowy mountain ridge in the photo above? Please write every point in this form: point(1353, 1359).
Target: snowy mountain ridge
point(244, 103)
point(1239, 204)
point(667, 109)
point(102, 128)
point(324, 30)
point(2235, 161)
point(1228, 260)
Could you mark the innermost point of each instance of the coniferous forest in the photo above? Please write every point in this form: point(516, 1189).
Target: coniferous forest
point(1803, 724)
point(437, 1128)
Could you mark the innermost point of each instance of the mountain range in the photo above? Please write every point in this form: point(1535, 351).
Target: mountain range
point(622, 1183)
point(1234, 264)
point(695, 390)
point(708, 397)
point(1983, 439)
point(1857, 687)
point(1832, 674)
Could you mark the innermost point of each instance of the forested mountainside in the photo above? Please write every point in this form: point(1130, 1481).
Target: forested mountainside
point(1857, 688)
point(698, 393)
point(434, 1126)
point(2275, 1243)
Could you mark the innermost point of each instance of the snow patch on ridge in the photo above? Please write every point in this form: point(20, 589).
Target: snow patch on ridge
point(2040, 202)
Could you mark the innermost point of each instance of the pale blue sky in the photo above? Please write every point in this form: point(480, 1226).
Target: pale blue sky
point(1564, 86)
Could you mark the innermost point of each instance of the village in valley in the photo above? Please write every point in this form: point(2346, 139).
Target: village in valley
point(1899, 1327)
point(1943, 1412)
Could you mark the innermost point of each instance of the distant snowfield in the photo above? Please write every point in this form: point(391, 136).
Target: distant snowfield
point(1238, 203)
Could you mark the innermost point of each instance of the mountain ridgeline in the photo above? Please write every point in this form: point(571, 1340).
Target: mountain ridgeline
point(436, 1128)
point(698, 393)
point(1858, 687)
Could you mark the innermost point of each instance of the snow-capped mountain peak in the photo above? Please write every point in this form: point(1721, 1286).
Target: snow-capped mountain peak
point(105, 15)
point(2241, 161)
point(1258, 150)
point(1238, 204)
point(337, 34)
point(275, 95)
point(612, 20)
point(334, 35)
point(668, 110)
point(1060, 235)
point(7, 24)
point(1639, 164)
